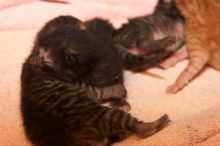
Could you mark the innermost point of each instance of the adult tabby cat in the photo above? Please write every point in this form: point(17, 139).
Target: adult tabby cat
point(202, 38)
point(159, 34)
point(58, 107)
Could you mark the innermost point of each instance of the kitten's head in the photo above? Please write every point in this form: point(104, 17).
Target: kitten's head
point(57, 24)
point(102, 29)
point(64, 52)
point(168, 8)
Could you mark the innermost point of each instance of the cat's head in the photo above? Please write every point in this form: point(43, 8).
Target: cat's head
point(168, 8)
point(66, 52)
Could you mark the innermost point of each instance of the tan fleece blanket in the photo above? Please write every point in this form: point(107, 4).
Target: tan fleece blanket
point(195, 111)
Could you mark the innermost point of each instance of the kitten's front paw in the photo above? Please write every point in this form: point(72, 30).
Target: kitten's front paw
point(172, 89)
point(118, 91)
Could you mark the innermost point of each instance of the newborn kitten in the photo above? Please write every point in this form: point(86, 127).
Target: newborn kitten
point(60, 109)
point(202, 38)
point(159, 34)
point(110, 67)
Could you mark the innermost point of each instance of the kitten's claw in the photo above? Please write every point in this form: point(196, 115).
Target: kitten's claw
point(172, 89)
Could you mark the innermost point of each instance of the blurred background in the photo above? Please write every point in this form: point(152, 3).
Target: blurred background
point(25, 14)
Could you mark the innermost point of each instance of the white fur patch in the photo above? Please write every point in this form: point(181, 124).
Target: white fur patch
point(45, 56)
point(158, 35)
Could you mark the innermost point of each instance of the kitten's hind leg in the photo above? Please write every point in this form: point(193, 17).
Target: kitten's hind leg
point(150, 128)
point(136, 63)
point(142, 129)
point(155, 46)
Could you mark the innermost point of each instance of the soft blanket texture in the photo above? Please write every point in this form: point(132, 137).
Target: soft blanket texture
point(195, 111)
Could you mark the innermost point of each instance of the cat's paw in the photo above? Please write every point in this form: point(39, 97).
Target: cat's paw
point(163, 121)
point(172, 89)
point(118, 91)
point(148, 129)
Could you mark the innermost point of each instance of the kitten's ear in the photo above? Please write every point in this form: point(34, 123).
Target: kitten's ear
point(70, 58)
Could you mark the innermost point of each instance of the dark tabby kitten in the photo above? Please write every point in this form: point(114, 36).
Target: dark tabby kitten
point(158, 35)
point(57, 106)
point(109, 69)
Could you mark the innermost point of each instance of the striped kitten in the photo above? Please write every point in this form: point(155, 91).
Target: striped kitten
point(109, 69)
point(103, 30)
point(159, 34)
point(202, 38)
point(114, 59)
point(57, 106)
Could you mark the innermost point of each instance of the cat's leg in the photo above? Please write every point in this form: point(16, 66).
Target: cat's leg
point(107, 122)
point(175, 58)
point(140, 63)
point(125, 123)
point(101, 93)
point(106, 93)
point(144, 129)
point(114, 94)
point(196, 63)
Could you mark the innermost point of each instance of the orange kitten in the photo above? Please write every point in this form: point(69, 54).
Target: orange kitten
point(202, 38)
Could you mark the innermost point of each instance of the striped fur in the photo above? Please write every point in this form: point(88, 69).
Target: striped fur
point(104, 30)
point(159, 34)
point(202, 38)
point(58, 105)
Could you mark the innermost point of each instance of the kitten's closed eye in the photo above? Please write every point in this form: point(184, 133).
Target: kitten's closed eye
point(71, 59)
